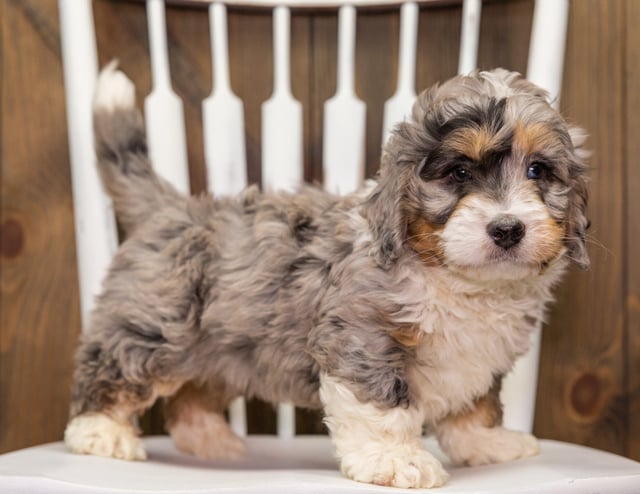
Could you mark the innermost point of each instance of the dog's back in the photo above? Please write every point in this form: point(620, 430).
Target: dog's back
point(232, 284)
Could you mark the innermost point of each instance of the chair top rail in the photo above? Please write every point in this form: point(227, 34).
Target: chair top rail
point(313, 4)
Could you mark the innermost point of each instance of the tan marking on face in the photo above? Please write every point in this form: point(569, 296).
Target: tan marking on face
point(550, 242)
point(423, 237)
point(472, 142)
point(548, 233)
point(534, 138)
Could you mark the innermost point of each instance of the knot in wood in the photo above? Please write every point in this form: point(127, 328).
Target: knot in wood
point(11, 238)
point(586, 396)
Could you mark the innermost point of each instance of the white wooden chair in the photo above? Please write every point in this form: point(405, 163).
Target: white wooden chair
point(284, 463)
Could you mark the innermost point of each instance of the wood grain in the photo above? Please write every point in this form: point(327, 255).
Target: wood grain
point(322, 84)
point(505, 31)
point(438, 45)
point(632, 222)
point(376, 69)
point(39, 309)
point(589, 387)
point(581, 391)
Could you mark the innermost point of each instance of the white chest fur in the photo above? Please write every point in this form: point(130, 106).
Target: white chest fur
point(472, 331)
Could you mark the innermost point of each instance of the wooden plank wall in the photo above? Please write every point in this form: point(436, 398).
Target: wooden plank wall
point(589, 389)
point(583, 381)
point(632, 226)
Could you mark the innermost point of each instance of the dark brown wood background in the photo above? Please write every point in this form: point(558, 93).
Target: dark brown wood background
point(589, 387)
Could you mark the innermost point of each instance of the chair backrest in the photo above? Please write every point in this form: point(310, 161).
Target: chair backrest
point(225, 153)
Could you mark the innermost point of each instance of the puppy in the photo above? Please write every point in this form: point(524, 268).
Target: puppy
point(394, 309)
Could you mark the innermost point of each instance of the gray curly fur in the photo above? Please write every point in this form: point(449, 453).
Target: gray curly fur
point(262, 292)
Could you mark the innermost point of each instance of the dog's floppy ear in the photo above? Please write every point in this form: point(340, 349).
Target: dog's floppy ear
point(407, 146)
point(383, 210)
point(577, 222)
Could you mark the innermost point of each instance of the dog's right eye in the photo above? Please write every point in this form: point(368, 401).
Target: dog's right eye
point(461, 174)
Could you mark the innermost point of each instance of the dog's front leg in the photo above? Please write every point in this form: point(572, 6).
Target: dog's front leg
point(476, 436)
point(375, 445)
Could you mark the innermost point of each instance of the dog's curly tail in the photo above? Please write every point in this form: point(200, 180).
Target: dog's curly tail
point(121, 148)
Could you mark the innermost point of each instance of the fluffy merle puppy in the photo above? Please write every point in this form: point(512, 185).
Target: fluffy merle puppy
point(393, 309)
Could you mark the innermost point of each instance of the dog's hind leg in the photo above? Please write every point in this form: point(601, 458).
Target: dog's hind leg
point(196, 422)
point(105, 403)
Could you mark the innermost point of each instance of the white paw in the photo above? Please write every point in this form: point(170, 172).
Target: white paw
point(100, 435)
point(207, 436)
point(505, 445)
point(404, 466)
point(494, 445)
point(114, 90)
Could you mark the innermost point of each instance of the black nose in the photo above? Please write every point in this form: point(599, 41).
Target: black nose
point(506, 230)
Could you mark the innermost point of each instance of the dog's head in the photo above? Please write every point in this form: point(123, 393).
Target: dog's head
point(486, 177)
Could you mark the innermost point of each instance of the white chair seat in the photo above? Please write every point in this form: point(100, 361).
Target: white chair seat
point(301, 465)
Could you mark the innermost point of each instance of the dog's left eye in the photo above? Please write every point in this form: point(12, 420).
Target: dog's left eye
point(461, 174)
point(535, 170)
